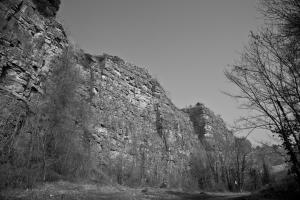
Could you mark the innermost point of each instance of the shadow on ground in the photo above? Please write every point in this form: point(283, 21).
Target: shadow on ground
point(207, 196)
point(84, 191)
point(189, 196)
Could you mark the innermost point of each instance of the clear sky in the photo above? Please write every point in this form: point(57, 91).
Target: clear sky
point(185, 44)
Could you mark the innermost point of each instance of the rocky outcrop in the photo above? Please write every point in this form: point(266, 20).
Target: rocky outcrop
point(140, 124)
point(138, 135)
point(29, 43)
point(207, 125)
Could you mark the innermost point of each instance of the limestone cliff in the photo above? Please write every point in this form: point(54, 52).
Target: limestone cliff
point(139, 133)
point(207, 125)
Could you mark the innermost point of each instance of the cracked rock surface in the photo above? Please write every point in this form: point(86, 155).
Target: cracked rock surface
point(139, 128)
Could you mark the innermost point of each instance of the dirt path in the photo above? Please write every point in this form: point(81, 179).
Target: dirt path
point(72, 191)
point(178, 195)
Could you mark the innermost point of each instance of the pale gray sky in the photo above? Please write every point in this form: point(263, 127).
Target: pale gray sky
point(185, 44)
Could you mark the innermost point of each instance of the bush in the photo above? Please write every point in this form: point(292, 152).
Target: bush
point(51, 141)
point(47, 8)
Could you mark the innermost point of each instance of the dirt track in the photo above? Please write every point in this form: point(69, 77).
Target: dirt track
point(71, 191)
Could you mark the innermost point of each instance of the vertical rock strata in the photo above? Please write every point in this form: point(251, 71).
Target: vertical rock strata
point(138, 124)
point(138, 134)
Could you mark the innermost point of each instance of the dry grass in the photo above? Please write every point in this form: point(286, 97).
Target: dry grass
point(63, 190)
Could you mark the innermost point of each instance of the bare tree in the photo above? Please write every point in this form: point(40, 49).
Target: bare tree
point(268, 76)
point(285, 14)
point(242, 147)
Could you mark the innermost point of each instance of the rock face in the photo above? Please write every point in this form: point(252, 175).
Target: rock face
point(217, 143)
point(207, 125)
point(140, 124)
point(29, 42)
point(138, 135)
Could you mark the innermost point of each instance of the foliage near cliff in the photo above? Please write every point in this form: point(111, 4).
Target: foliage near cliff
point(228, 162)
point(67, 115)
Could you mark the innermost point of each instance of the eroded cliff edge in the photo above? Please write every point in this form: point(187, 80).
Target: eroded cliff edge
point(139, 136)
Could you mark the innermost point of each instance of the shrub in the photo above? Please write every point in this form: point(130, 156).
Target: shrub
point(51, 141)
point(47, 8)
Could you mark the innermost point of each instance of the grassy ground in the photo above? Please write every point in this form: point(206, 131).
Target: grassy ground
point(285, 189)
point(63, 190)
